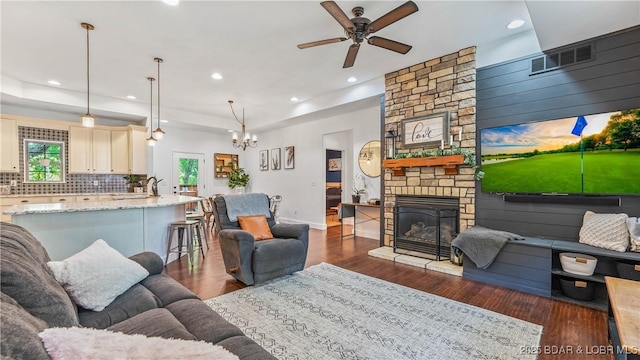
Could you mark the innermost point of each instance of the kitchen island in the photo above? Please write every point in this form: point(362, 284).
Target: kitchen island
point(130, 225)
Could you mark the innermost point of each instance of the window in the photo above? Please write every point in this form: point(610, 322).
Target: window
point(188, 172)
point(43, 161)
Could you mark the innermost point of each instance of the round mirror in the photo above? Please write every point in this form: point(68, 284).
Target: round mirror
point(369, 158)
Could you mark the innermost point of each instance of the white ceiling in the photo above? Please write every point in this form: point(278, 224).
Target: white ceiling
point(253, 45)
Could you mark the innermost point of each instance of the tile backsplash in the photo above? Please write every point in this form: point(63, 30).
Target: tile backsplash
point(75, 183)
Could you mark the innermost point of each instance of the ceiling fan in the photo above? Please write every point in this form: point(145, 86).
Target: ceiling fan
point(359, 28)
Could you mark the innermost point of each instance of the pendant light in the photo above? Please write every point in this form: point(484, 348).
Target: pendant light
point(88, 120)
point(158, 133)
point(151, 141)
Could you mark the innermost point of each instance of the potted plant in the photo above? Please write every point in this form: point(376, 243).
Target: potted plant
point(133, 181)
point(359, 187)
point(238, 178)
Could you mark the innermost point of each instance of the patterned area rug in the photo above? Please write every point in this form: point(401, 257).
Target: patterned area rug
point(326, 312)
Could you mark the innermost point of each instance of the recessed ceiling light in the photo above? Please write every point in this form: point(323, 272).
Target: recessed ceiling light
point(515, 24)
point(230, 130)
point(164, 121)
point(131, 97)
point(294, 99)
point(53, 82)
point(171, 2)
point(352, 79)
point(216, 76)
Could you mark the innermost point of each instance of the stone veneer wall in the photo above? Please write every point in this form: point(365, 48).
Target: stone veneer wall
point(447, 83)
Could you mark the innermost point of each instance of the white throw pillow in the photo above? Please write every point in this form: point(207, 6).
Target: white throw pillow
point(86, 343)
point(97, 275)
point(633, 223)
point(607, 231)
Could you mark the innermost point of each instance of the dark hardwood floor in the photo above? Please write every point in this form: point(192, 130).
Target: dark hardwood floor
point(570, 331)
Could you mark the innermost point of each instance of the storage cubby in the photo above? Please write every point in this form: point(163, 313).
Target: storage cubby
point(606, 266)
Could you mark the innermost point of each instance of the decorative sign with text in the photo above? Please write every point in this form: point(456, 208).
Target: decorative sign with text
point(427, 131)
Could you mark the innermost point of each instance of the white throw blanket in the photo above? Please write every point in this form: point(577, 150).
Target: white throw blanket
point(85, 343)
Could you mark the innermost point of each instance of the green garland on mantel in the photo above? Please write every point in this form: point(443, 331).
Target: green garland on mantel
point(469, 157)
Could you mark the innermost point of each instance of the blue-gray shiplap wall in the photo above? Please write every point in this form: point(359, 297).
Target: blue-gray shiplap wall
point(507, 94)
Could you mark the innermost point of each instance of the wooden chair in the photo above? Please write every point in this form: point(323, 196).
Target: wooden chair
point(207, 208)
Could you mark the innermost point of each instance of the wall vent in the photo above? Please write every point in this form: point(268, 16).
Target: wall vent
point(554, 61)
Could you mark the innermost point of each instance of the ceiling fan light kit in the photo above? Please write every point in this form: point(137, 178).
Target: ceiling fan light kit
point(359, 28)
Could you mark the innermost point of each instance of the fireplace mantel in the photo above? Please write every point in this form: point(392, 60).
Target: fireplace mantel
point(449, 162)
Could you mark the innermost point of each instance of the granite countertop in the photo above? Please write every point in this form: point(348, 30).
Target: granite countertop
point(125, 203)
point(70, 194)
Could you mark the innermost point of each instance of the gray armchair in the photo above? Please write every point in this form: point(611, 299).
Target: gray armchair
point(251, 261)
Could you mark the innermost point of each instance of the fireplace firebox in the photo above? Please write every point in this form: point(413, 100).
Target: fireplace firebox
point(425, 225)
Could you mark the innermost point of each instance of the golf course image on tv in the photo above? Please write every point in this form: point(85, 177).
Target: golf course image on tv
point(592, 154)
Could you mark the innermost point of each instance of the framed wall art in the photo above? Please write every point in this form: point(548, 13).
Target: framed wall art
point(426, 131)
point(276, 159)
point(264, 160)
point(289, 157)
point(335, 164)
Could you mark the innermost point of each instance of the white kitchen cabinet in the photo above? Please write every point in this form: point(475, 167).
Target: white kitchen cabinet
point(101, 151)
point(89, 150)
point(87, 198)
point(120, 152)
point(9, 158)
point(138, 149)
point(80, 147)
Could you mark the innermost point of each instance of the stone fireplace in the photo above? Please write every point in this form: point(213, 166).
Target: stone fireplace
point(443, 84)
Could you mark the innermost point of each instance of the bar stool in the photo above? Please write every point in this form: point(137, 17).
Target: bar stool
point(200, 215)
point(194, 235)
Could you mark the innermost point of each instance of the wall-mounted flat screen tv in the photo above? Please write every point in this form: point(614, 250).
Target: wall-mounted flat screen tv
point(596, 154)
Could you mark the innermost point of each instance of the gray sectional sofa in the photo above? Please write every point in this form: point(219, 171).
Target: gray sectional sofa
point(32, 300)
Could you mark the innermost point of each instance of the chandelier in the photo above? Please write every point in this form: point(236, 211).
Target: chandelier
point(247, 140)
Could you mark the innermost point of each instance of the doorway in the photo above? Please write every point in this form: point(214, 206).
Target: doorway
point(188, 176)
point(333, 187)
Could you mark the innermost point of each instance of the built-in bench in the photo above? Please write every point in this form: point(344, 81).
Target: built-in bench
point(523, 265)
point(533, 265)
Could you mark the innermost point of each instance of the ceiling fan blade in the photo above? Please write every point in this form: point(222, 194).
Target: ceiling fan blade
point(321, 42)
point(351, 55)
point(389, 44)
point(338, 14)
point(392, 16)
